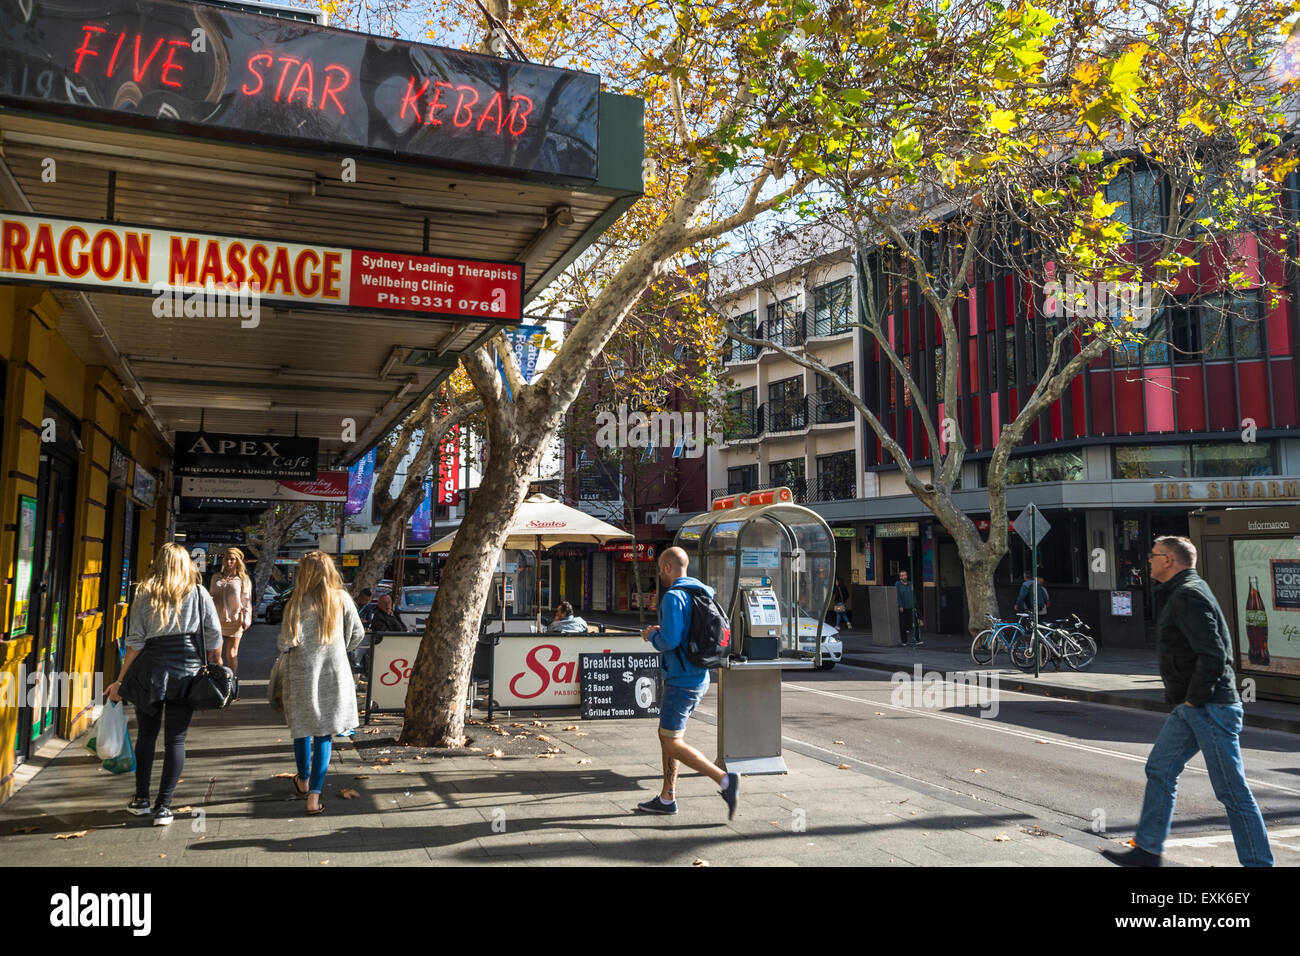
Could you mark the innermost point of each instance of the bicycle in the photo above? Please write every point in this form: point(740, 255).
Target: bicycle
point(984, 648)
point(1057, 644)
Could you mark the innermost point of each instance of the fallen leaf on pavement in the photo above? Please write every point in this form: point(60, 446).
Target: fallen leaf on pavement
point(1001, 838)
point(538, 723)
point(70, 836)
point(324, 862)
point(496, 755)
point(376, 767)
point(844, 766)
point(516, 724)
point(477, 750)
point(25, 829)
point(399, 771)
point(571, 727)
point(183, 810)
point(545, 756)
point(840, 742)
point(584, 761)
point(699, 862)
point(523, 736)
point(384, 760)
point(543, 738)
point(349, 794)
point(582, 733)
point(372, 730)
point(362, 776)
point(478, 723)
point(880, 713)
point(978, 770)
point(162, 856)
point(553, 750)
point(278, 775)
point(1040, 741)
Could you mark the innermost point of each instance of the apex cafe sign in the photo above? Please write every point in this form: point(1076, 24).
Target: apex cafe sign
point(216, 455)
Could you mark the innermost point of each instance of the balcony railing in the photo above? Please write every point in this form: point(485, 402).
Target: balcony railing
point(787, 415)
point(831, 409)
point(743, 351)
point(744, 424)
point(798, 488)
point(834, 488)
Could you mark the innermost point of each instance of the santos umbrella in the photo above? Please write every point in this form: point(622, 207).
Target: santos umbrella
point(542, 522)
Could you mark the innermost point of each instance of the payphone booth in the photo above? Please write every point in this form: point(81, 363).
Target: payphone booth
point(772, 564)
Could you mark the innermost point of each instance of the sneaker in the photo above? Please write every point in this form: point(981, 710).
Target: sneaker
point(139, 808)
point(657, 806)
point(1133, 856)
point(730, 792)
point(163, 816)
point(918, 643)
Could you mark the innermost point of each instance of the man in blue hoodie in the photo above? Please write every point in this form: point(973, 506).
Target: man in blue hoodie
point(684, 687)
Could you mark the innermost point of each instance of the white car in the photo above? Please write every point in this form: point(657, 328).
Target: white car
point(832, 646)
point(414, 606)
point(269, 595)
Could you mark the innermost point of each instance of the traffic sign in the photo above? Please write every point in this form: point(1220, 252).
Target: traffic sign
point(1031, 522)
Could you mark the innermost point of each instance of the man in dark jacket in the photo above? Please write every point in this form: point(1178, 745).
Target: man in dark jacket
point(1195, 651)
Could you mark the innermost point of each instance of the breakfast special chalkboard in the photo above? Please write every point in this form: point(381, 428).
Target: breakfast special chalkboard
point(618, 686)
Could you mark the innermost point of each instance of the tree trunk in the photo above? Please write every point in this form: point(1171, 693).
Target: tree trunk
point(435, 702)
point(275, 528)
point(981, 595)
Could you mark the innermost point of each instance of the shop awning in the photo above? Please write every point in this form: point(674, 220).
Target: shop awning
point(65, 154)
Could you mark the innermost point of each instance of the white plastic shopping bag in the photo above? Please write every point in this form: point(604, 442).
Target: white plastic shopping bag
point(111, 731)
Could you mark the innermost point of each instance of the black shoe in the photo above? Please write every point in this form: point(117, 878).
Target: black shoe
point(657, 806)
point(163, 816)
point(731, 793)
point(1133, 856)
point(139, 808)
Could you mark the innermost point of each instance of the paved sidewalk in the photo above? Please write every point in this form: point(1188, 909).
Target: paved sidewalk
point(570, 809)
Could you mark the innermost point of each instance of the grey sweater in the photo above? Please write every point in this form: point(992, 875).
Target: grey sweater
point(197, 614)
point(320, 696)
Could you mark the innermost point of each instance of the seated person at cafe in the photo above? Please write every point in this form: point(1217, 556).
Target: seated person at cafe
point(384, 619)
point(566, 622)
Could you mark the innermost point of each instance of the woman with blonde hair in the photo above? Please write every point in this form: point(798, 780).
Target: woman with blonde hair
point(232, 593)
point(170, 611)
point(320, 627)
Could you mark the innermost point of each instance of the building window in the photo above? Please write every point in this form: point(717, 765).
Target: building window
point(832, 405)
point(1230, 326)
point(744, 478)
point(743, 351)
point(1143, 207)
point(742, 414)
point(788, 474)
point(1204, 460)
point(835, 478)
point(785, 405)
point(783, 325)
point(831, 303)
point(1033, 469)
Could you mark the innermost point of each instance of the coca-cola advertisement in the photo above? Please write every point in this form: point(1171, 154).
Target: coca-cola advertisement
point(1266, 574)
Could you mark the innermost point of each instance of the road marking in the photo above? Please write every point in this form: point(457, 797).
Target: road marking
point(1274, 836)
point(1012, 732)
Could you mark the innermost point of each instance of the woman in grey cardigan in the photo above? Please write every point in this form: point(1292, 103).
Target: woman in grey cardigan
point(320, 627)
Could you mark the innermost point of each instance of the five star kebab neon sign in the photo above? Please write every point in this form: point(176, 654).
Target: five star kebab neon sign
point(163, 62)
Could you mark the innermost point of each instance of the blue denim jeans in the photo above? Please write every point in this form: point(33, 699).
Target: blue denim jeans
point(841, 620)
point(1212, 729)
point(313, 756)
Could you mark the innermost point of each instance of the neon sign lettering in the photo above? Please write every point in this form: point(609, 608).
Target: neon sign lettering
point(139, 71)
point(515, 122)
point(335, 79)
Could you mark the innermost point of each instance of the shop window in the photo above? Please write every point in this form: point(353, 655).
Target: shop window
point(1061, 556)
point(1029, 469)
point(1153, 461)
point(788, 474)
point(1232, 459)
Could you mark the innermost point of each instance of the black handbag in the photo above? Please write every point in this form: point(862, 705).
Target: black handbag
point(213, 687)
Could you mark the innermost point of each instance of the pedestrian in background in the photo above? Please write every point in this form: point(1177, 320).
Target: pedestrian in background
point(565, 621)
point(320, 627)
point(170, 601)
point(840, 604)
point(1195, 651)
point(906, 608)
point(232, 593)
point(1025, 600)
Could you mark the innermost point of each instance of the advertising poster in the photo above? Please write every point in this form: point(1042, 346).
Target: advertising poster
point(421, 523)
point(26, 558)
point(360, 477)
point(868, 556)
point(1266, 590)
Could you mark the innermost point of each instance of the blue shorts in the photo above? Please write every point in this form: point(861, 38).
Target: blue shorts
point(676, 707)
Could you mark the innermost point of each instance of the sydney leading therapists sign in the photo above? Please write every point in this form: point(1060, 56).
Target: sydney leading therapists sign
point(100, 256)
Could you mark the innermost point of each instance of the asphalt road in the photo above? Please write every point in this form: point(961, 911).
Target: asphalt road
point(1075, 766)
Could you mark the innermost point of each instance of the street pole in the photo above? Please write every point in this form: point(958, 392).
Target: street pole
point(1033, 582)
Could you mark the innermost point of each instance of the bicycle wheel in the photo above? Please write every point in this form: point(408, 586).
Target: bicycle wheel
point(981, 649)
point(1022, 652)
point(1079, 651)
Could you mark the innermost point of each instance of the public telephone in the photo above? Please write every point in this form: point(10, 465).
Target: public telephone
point(761, 622)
